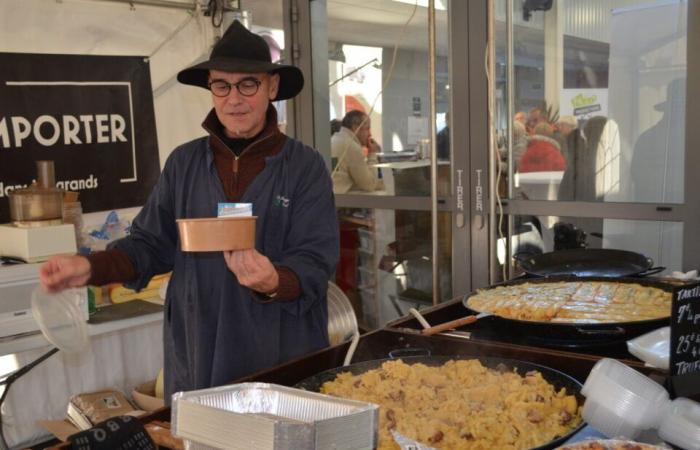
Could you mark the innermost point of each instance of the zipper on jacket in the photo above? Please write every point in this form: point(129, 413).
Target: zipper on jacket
point(236, 165)
point(235, 172)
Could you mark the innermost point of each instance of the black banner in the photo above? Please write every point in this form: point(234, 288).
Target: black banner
point(92, 115)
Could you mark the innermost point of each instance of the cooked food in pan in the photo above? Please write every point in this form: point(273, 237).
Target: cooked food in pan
point(609, 444)
point(461, 405)
point(574, 302)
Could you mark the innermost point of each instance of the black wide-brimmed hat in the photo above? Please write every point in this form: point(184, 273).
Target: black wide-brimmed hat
point(242, 51)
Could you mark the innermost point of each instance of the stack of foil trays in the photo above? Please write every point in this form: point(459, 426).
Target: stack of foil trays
point(252, 416)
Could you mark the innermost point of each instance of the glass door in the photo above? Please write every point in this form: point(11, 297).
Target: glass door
point(378, 124)
point(592, 102)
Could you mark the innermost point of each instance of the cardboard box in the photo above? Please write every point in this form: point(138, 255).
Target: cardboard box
point(59, 428)
point(144, 395)
point(120, 294)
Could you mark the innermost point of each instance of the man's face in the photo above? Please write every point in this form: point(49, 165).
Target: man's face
point(533, 119)
point(244, 116)
point(363, 132)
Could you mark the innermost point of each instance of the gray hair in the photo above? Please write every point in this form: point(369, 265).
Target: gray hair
point(353, 119)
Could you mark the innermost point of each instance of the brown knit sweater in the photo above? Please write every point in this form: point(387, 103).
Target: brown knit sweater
point(236, 174)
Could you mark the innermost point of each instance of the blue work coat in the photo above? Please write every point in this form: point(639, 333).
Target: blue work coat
point(216, 330)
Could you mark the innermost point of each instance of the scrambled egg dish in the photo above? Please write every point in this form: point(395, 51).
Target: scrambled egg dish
point(461, 405)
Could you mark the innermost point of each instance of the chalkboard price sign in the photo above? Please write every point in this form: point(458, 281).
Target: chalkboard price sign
point(685, 340)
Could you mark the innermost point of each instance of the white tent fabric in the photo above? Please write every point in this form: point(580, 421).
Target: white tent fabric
point(117, 360)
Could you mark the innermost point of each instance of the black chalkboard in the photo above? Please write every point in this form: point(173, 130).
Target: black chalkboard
point(685, 340)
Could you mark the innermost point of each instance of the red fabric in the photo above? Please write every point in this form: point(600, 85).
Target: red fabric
point(346, 271)
point(109, 266)
point(541, 156)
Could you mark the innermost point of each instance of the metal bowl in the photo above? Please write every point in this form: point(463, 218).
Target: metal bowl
point(342, 322)
point(36, 204)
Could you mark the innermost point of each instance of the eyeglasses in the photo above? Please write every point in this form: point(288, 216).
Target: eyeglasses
point(246, 87)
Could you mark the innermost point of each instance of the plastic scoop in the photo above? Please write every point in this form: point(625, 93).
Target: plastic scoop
point(61, 319)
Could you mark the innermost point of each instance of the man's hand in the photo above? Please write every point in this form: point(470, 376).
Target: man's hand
point(253, 270)
point(372, 146)
point(63, 272)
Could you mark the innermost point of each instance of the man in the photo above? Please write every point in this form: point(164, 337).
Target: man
point(353, 171)
point(535, 117)
point(230, 314)
point(521, 117)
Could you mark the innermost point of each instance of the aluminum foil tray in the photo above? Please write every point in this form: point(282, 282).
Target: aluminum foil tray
point(265, 416)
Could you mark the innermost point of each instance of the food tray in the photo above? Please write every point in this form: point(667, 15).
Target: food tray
point(265, 416)
point(217, 233)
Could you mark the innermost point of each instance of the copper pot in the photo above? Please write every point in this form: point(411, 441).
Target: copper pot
point(42, 201)
point(217, 233)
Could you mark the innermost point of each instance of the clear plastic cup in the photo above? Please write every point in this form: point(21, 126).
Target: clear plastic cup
point(621, 401)
point(61, 319)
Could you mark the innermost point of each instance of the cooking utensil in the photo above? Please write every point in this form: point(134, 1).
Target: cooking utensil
point(40, 202)
point(453, 324)
point(581, 262)
point(419, 317)
point(575, 335)
point(557, 379)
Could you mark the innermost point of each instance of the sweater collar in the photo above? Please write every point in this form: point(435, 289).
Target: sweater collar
point(215, 129)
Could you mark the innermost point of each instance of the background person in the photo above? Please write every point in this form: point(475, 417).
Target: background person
point(229, 314)
point(354, 171)
point(567, 135)
point(543, 153)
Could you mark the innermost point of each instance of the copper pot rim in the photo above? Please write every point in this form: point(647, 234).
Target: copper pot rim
point(217, 219)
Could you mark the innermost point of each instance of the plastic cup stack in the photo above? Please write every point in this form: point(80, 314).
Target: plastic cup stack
point(621, 402)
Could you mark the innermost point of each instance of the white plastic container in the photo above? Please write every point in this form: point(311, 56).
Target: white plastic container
point(61, 318)
point(681, 425)
point(621, 402)
point(653, 348)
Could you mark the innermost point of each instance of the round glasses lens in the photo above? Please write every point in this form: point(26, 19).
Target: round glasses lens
point(220, 88)
point(248, 87)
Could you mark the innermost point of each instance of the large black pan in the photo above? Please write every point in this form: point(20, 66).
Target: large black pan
point(576, 335)
point(557, 379)
point(582, 262)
